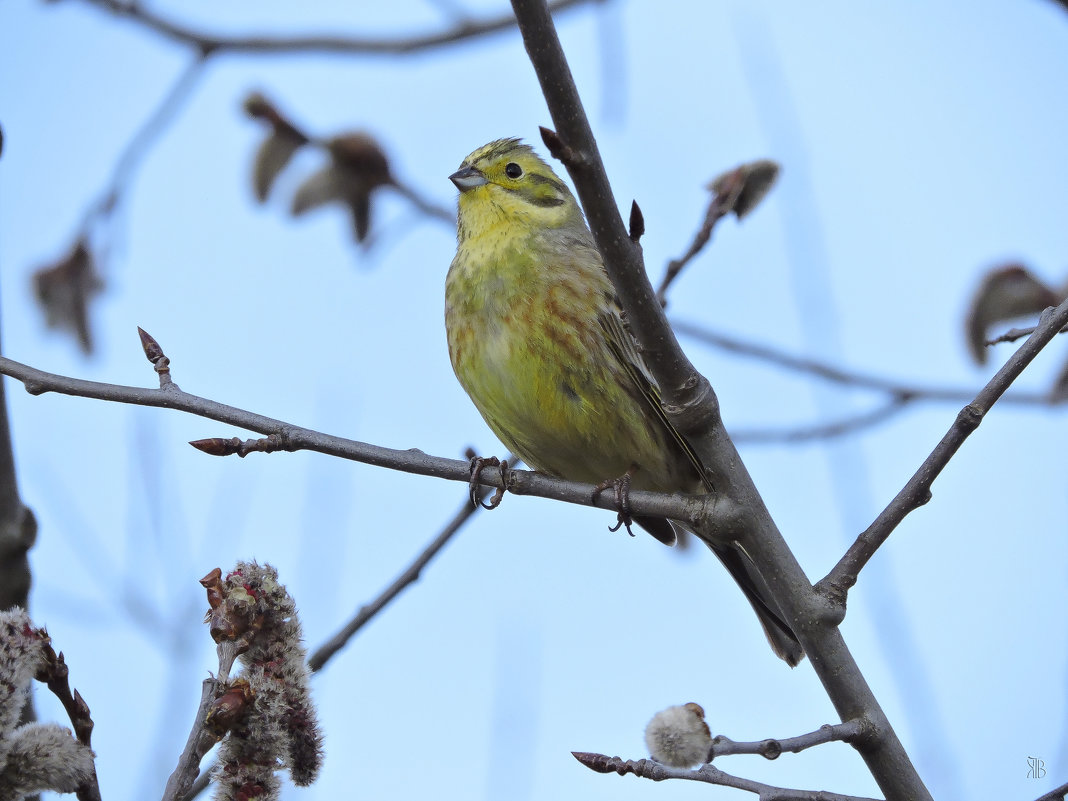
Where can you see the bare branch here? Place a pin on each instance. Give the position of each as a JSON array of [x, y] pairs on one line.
[[820, 431], [411, 574], [293, 438], [738, 191], [851, 378], [772, 748], [200, 741], [1056, 794], [917, 491], [709, 774], [208, 43], [692, 406], [56, 675], [1014, 334], [140, 144]]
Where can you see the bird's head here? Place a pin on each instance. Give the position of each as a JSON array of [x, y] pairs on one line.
[[507, 179]]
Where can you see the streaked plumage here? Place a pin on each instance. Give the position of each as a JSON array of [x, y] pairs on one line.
[[538, 341]]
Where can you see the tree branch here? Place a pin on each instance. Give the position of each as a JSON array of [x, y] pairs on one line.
[[1014, 334], [410, 575], [210, 43], [917, 491], [828, 430], [689, 400], [1056, 794], [772, 748], [294, 438], [709, 774], [850, 378], [140, 143]]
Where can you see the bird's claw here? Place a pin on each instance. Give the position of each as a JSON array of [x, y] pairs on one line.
[[621, 487], [478, 464]]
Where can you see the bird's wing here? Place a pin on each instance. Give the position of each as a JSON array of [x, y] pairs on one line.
[[625, 350]]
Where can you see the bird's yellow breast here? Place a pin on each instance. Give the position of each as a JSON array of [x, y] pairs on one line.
[[531, 355]]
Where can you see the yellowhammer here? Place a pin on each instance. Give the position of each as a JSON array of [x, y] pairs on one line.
[[537, 340]]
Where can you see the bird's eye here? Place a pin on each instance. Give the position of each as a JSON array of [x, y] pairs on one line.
[[512, 170]]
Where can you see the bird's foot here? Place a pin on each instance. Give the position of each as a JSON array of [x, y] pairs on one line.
[[478, 464], [621, 487]]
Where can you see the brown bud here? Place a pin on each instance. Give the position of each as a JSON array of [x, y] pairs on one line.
[[217, 446], [153, 352], [596, 762], [213, 584], [229, 707]]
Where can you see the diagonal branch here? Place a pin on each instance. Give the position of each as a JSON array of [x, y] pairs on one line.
[[917, 491], [411, 574], [141, 143], [689, 400]]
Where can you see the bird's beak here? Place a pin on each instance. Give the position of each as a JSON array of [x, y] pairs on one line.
[[467, 178]]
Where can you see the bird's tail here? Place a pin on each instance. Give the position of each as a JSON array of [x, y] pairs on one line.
[[741, 566]]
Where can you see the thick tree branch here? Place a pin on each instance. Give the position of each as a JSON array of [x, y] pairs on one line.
[[210, 43], [1056, 794], [689, 399], [917, 491]]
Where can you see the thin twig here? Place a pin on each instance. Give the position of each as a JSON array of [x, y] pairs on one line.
[[411, 574], [835, 585], [199, 742], [140, 144], [1014, 334], [840, 375], [209, 43], [318, 659], [772, 748], [822, 431], [737, 190], [709, 774]]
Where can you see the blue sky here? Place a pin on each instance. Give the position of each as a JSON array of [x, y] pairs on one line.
[[919, 147]]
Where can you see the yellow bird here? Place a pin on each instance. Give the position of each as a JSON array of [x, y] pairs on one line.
[[537, 339]]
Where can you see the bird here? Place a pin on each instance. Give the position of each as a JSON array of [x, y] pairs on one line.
[[538, 340]]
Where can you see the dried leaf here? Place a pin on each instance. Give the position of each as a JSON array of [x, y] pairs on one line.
[[1059, 393], [361, 155], [328, 185], [64, 290], [745, 186], [1006, 293], [272, 157]]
